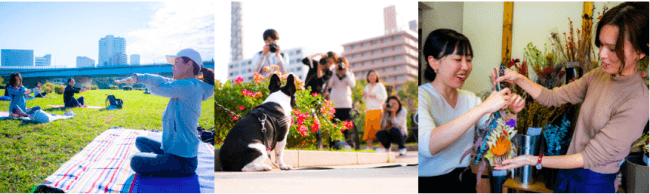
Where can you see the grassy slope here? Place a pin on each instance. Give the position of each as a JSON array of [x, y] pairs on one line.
[[31, 152]]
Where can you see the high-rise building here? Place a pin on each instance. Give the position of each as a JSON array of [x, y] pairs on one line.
[[393, 55], [235, 32], [135, 59], [83, 61], [43, 61], [413, 25], [112, 51], [244, 68], [16, 57]]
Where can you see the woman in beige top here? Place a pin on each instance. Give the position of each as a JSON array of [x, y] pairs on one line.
[[614, 105]]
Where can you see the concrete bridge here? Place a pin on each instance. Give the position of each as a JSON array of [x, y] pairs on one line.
[[32, 75], [165, 69]]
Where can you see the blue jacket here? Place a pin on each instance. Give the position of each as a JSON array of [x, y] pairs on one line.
[[17, 98], [181, 117]]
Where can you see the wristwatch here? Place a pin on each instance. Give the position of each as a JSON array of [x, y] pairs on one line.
[[539, 162]]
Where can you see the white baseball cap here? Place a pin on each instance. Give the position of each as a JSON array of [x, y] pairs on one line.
[[189, 53]]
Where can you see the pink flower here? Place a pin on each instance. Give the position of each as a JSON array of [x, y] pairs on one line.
[[303, 130], [314, 94], [234, 118], [241, 107], [239, 80]]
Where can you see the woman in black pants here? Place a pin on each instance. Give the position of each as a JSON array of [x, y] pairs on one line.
[[393, 124]]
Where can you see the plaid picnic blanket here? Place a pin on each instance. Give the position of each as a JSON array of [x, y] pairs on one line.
[[103, 166]]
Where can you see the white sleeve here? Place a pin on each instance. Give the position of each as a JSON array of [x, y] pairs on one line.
[[426, 123], [481, 122], [257, 61], [282, 62], [351, 80], [400, 120], [381, 97]]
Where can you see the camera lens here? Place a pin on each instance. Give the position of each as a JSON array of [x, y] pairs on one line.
[[273, 47], [341, 66], [389, 105]]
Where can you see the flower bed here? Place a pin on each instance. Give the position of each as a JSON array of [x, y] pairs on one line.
[[234, 100]]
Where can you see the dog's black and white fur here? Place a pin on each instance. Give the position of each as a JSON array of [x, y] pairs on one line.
[[244, 148]]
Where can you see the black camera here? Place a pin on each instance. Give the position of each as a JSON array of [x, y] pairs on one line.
[[389, 105], [502, 68], [341, 66], [273, 47]]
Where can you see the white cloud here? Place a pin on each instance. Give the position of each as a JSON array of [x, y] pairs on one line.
[[174, 26]]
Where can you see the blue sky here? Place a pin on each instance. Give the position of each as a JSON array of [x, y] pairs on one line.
[[70, 29]]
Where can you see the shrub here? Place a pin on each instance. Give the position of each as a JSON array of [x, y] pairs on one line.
[[59, 89], [93, 87], [240, 97], [114, 88], [48, 87]]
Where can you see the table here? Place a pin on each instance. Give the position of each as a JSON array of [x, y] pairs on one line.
[[538, 186]]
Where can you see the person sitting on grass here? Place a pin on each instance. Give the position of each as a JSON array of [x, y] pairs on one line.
[[68, 95], [17, 92], [38, 90], [393, 123], [176, 155]]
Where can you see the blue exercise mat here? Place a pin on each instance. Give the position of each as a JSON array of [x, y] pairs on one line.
[[202, 182]]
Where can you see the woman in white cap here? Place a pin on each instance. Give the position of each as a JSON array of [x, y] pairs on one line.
[[176, 155]]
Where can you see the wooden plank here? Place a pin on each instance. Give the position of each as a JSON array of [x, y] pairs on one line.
[[587, 15], [506, 40]]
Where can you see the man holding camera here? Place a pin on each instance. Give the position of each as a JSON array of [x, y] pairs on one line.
[[319, 72], [270, 54], [341, 91]]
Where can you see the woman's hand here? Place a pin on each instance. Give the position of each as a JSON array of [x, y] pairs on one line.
[[497, 101], [509, 76], [516, 103], [125, 80], [516, 162]]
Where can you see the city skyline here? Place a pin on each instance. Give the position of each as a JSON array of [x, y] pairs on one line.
[[72, 29]]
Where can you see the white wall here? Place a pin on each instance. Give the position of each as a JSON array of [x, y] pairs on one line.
[[533, 21], [441, 15], [482, 24]]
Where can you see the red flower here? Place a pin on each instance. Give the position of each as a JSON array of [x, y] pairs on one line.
[[235, 118], [348, 124], [239, 80], [315, 127], [314, 94], [241, 107]]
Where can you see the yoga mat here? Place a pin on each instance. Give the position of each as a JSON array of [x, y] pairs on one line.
[[202, 182], [103, 166], [63, 106], [54, 117]]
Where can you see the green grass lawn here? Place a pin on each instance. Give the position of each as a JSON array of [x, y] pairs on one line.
[[31, 152]]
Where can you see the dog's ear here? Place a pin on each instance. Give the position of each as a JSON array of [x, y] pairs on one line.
[[291, 85], [275, 83]]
